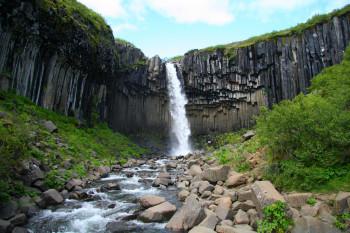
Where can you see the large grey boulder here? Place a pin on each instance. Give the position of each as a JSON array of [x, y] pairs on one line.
[[234, 229], [158, 213], [312, 225], [8, 209], [235, 179], [201, 229], [50, 197], [215, 174], [195, 170], [210, 220], [241, 217], [20, 230], [205, 186], [264, 194], [18, 220], [150, 201], [5, 226], [297, 200], [50, 126], [70, 185], [190, 215], [341, 202]]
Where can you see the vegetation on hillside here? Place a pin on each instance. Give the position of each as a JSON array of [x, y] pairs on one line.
[[308, 138], [23, 136], [230, 49]]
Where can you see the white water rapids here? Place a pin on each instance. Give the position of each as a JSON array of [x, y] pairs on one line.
[[179, 123]]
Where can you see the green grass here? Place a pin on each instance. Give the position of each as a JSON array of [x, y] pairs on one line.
[[68, 15], [308, 138], [230, 50], [22, 136]]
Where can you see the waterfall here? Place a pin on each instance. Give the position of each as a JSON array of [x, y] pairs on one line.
[[179, 122]]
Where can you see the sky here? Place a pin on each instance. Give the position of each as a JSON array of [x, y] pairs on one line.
[[172, 27]]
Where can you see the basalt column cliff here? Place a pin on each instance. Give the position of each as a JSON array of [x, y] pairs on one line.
[[68, 62], [226, 90]]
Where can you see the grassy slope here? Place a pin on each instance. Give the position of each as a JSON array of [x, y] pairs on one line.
[[230, 49], [306, 141], [22, 136]]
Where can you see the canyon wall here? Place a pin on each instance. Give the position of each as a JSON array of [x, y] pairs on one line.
[[225, 92], [67, 63]]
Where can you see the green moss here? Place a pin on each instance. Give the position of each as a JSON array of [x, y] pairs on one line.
[[22, 137], [176, 58], [230, 49]]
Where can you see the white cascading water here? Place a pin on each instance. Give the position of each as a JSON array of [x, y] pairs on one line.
[[179, 125]]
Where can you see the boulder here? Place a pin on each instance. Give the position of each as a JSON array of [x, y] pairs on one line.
[[8, 209], [190, 214], [171, 165], [247, 205], [20, 230], [264, 194], [50, 197], [341, 202], [244, 195], [118, 227], [312, 225], [50, 126], [224, 212], [195, 170], [215, 174], [253, 217], [40, 184], [241, 217], [103, 171], [248, 135], [210, 220], [27, 206], [70, 185], [201, 229], [297, 200], [150, 201], [219, 190], [311, 210], [161, 181], [224, 202], [205, 186], [183, 194], [235, 179], [5, 226], [158, 213], [109, 186], [226, 223], [234, 229], [31, 172], [19, 220]]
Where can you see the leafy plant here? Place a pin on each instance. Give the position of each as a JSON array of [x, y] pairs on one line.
[[311, 201], [275, 219], [342, 221]]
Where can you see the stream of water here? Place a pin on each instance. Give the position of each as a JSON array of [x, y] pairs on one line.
[[93, 216], [180, 126]]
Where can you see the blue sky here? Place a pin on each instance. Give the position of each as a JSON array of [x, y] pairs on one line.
[[172, 27]]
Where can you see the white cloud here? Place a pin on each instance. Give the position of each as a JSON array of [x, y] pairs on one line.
[[107, 8], [266, 8], [124, 27], [214, 12]]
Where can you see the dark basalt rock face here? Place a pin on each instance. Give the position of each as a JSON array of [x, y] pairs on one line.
[[224, 93], [47, 56]]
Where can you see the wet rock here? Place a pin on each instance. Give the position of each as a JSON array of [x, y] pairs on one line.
[[8, 209], [50, 197], [20, 230], [210, 220], [190, 214], [341, 202], [171, 165], [73, 183], [216, 174], [241, 217], [5, 226], [111, 206], [264, 193], [235, 180], [195, 170], [118, 227], [150, 201], [313, 225], [183, 194], [27, 206], [201, 229], [297, 200], [161, 181], [50, 126], [19, 220], [40, 184], [158, 213], [110, 186], [103, 171]]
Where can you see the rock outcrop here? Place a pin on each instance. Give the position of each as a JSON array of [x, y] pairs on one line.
[[225, 91]]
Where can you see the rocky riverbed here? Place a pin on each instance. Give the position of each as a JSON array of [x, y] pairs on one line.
[[184, 194]]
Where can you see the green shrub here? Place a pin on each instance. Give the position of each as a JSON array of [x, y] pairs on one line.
[[342, 221], [311, 201], [275, 219]]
